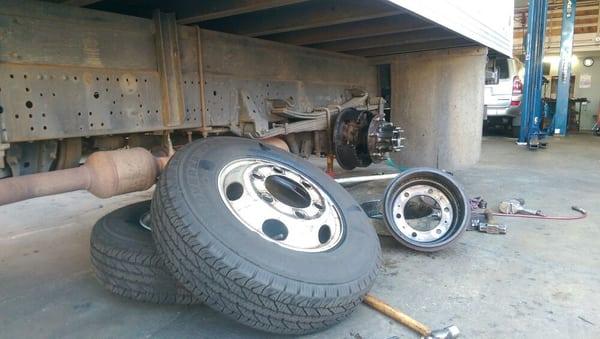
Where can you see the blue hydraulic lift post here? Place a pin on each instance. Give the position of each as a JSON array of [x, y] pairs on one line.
[[564, 67], [531, 107]]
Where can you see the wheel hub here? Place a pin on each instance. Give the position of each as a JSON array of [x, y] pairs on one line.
[[422, 213], [281, 205]]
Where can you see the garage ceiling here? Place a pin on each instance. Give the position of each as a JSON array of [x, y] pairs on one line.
[[364, 28], [587, 29]]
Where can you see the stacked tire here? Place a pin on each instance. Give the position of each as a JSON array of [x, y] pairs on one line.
[[261, 236], [127, 263]]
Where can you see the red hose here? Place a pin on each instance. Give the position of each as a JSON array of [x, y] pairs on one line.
[[582, 215], [540, 216]]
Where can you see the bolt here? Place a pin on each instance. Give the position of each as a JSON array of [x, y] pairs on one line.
[[267, 197]]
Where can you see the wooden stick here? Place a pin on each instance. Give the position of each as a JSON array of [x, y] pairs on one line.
[[400, 317]]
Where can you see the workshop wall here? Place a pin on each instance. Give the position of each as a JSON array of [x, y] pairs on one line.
[[592, 93]]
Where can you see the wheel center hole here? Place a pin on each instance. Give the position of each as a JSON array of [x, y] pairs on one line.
[[423, 213], [288, 191]]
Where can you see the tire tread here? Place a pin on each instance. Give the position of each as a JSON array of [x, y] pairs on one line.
[[237, 288]]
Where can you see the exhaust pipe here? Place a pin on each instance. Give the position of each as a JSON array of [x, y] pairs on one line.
[[104, 174]]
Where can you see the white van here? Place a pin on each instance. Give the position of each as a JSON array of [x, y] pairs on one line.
[[503, 93]]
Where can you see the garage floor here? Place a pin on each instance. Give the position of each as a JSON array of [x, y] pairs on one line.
[[541, 280]]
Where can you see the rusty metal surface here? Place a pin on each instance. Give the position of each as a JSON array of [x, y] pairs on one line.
[[266, 70], [70, 72], [169, 68], [69, 153], [104, 174], [31, 157], [49, 34], [49, 102], [41, 184], [90, 73]]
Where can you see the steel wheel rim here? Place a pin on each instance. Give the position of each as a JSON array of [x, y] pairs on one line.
[[145, 221], [281, 205], [445, 213]]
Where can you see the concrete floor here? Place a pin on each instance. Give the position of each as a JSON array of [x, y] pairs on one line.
[[541, 280]]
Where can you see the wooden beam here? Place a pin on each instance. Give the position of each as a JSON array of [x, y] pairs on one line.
[[432, 34], [413, 47], [353, 30], [79, 3], [578, 13], [302, 16], [189, 12], [578, 30]]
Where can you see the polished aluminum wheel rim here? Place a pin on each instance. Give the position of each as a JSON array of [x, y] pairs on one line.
[[281, 205], [442, 211]]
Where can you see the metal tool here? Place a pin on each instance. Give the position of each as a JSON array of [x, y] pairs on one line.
[[515, 206], [484, 222], [492, 228], [365, 178], [449, 332]]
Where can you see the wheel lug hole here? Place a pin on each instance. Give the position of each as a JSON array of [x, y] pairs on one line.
[[278, 170], [446, 209], [406, 194], [318, 205], [430, 191], [258, 176], [267, 198], [306, 184], [398, 215], [300, 214]]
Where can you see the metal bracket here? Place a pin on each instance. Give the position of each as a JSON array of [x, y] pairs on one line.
[[251, 114], [31, 157], [169, 67]]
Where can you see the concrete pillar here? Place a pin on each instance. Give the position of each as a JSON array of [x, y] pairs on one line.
[[437, 98]]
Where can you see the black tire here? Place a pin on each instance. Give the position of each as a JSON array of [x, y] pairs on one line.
[[438, 180], [126, 262], [237, 272]]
